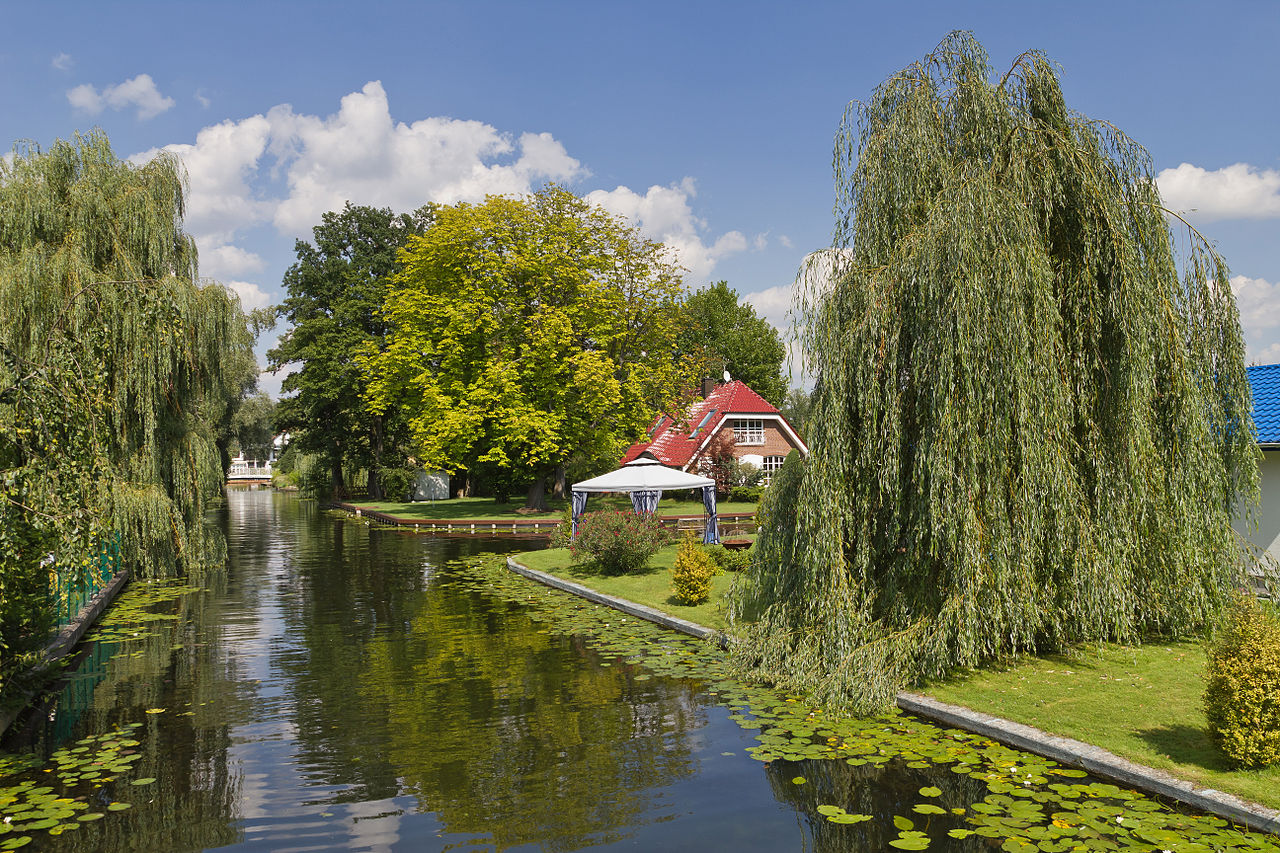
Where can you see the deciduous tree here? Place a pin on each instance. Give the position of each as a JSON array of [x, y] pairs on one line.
[[526, 330], [336, 290], [1031, 422], [730, 336]]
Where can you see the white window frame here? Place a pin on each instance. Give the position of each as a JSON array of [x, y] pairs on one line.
[[748, 431], [770, 465]]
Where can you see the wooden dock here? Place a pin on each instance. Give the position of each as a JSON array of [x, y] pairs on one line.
[[740, 522]]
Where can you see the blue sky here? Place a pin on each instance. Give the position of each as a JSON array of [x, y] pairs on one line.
[[710, 125]]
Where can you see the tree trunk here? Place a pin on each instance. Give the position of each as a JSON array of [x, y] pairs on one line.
[[537, 498], [339, 487], [560, 488], [375, 480]]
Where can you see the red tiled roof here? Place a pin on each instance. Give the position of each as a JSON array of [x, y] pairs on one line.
[[675, 446]]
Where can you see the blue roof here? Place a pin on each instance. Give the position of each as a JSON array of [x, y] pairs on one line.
[[1264, 382]]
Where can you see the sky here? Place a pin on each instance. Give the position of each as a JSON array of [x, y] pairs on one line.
[[709, 125]]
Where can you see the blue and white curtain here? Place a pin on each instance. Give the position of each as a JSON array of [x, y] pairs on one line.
[[713, 524], [645, 500], [579, 504]]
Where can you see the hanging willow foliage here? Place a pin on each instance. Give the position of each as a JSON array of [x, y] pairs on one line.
[[117, 364], [1029, 429]]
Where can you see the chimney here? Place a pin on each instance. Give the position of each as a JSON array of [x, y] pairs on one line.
[[708, 385]]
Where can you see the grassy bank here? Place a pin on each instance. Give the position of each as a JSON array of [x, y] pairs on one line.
[[651, 588], [1140, 703], [487, 509]]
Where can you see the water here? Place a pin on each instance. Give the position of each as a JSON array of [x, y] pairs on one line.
[[354, 688]]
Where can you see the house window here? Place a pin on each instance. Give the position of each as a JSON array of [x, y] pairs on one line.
[[770, 467], [706, 419], [748, 431]]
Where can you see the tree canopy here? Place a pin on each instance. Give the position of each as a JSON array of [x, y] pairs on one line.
[[1031, 421], [117, 368], [336, 290], [527, 330], [729, 335]]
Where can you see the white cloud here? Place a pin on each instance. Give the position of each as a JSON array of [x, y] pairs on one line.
[[202, 99], [251, 295], [785, 241], [1239, 191], [360, 154], [1259, 303], [664, 213], [139, 92], [62, 61], [224, 262]]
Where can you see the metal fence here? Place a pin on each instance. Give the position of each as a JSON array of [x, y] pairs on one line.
[[70, 590]]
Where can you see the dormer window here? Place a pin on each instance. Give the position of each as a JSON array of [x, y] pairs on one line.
[[748, 431], [706, 419]]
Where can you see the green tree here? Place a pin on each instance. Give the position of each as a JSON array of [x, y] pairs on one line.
[[527, 331], [730, 336], [115, 372], [335, 306], [1031, 423], [254, 426]]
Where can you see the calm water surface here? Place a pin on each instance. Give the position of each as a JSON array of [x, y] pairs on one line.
[[354, 688], [344, 688]]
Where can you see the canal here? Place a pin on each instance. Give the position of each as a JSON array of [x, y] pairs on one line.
[[353, 688]]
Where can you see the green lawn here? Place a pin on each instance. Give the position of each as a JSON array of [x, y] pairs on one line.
[[487, 509], [651, 588], [1140, 703]]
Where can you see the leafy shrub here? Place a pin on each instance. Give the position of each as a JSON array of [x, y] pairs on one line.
[[746, 494], [314, 478], [692, 573], [728, 559], [1242, 694], [397, 483], [617, 542], [560, 537]]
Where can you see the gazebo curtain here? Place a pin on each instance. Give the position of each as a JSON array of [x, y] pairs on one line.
[[712, 533], [579, 505], [645, 500]]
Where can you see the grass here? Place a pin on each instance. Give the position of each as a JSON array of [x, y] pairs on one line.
[[1141, 703], [487, 509], [651, 588]]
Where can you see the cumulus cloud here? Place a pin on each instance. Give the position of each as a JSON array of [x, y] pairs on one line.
[[665, 214], [62, 61], [1239, 191], [1259, 303], [224, 262], [361, 154], [137, 92], [251, 295]]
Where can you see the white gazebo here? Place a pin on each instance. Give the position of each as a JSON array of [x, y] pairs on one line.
[[645, 479]]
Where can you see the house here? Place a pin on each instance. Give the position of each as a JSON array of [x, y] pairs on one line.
[[730, 415], [1264, 383]]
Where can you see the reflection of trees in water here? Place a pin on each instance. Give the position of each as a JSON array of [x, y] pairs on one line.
[[457, 698], [882, 792]]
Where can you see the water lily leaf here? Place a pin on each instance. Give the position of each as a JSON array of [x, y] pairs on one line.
[[846, 817], [144, 781], [828, 811], [799, 780], [931, 792], [156, 710], [15, 843], [914, 842], [903, 823], [959, 833], [928, 808], [118, 807], [91, 816]]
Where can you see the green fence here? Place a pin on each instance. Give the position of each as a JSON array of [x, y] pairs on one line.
[[71, 590]]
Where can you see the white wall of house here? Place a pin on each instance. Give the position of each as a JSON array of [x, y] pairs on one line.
[[1267, 514]]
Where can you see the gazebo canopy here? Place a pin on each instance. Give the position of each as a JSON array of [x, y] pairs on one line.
[[643, 474], [645, 479]]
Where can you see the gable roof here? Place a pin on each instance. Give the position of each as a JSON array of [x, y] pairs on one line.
[[1264, 383], [676, 446]]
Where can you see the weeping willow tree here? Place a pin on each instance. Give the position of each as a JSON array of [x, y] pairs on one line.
[[116, 365], [1031, 420]]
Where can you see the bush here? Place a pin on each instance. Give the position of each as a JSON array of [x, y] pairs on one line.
[[692, 573], [746, 494], [617, 542], [729, 560], [560, 537], [1242, 694], [397, 483]]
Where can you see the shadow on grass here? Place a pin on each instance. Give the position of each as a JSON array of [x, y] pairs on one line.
[[1186, 745], [593, 570]]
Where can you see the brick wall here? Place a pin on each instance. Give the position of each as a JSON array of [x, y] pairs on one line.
[[776, 442]]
